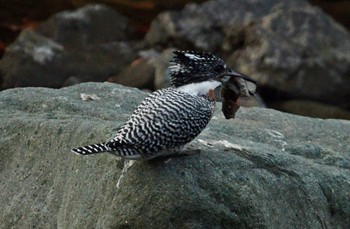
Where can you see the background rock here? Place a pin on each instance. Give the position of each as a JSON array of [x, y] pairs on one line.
[[85, 26], [312, 109], [305, 57], [77, 44], [149, 71], [294, 50], [308, 57], [162, 73], [140, 74], [339, 10], [204, 26], [264, 169]]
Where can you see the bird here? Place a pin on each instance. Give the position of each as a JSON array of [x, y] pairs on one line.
[[169, 118]]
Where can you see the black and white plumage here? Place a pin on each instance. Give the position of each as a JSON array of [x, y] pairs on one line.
[[170, 118]]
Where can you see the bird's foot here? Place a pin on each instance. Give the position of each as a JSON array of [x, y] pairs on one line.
[[188, 150]]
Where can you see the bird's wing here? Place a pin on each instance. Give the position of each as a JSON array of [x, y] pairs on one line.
[[165, 119]]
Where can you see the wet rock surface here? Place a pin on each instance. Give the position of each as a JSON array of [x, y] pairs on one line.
[[263, 169]]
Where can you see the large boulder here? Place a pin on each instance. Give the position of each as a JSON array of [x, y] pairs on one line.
[[264, 169], [205, 26], [88, 44], [292, 48]]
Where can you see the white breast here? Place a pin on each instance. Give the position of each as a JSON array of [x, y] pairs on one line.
[[201, 88]]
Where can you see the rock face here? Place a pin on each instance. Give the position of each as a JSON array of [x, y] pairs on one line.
[[292, 48], [313, 109], [70, 47], [264, 169]]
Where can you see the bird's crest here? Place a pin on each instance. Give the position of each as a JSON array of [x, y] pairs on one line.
[[192, 67]]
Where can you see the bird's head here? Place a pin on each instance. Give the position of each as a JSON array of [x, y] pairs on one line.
[[191, 67]]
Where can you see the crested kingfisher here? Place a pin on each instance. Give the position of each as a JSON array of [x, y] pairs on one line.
[[170, 118]]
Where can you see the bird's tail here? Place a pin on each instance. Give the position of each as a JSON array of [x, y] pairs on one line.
[[91, 149]]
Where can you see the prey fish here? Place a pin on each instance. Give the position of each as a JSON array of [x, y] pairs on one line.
[[235, 87]]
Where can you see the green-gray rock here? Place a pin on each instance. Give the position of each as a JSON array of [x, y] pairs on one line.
[[264, 169]]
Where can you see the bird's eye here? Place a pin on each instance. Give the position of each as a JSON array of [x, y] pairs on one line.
[[219, 68]]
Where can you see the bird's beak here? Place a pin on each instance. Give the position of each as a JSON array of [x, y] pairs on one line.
[[245, 86], [232, 73]]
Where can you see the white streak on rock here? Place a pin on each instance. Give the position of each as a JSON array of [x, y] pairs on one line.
[[127, 165], [278, 138]]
